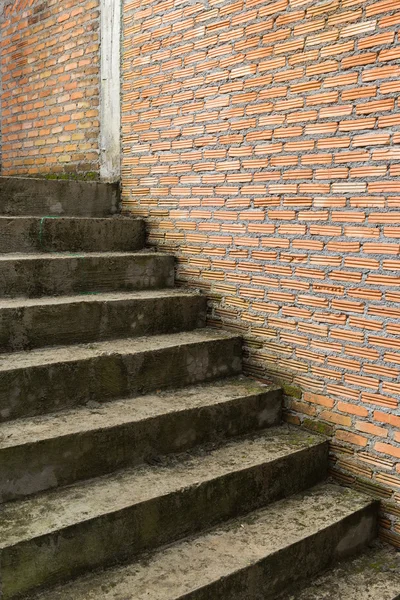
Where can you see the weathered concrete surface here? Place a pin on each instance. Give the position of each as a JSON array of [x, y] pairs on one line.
[[68, 234], [253, 557], [31, 197], [34, 323], [35, 275], [375, 575], [43, 381], [54, 450], [57, 535]]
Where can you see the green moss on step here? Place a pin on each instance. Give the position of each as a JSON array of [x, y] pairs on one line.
[[89, 176], [291, 390], [318, 427]]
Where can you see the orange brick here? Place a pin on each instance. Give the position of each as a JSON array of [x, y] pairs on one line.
[[351, 438], [387, 449], [318, 399], [279, 182], [352, 409], [336, 418], [371, 429]]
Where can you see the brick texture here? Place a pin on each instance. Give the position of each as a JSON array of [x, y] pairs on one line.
[[261, 143], [50, 87]]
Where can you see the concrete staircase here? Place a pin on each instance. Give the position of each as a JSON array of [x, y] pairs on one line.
[[129, 440]]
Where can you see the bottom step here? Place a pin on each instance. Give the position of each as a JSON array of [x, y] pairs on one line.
[[252, 558], [375, 575]]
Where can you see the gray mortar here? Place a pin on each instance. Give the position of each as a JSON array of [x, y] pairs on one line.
[[257, 362]]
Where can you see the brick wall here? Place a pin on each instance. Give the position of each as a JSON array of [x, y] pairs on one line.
[[50, 96], [260, 141]]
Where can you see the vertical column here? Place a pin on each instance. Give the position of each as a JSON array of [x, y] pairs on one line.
[[110, 111]]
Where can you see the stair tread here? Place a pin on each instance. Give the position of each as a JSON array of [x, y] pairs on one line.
[[374, 575], [75, 352], [64, 507], [69, 255], [127, 410], [71, 218], [194, 563], [21, 302]]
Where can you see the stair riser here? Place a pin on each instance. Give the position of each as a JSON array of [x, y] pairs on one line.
[[294, 564], [91, 321], [123, 534], [72, 275], [55, 234], [38, 390], [29, 196], [31, 468]]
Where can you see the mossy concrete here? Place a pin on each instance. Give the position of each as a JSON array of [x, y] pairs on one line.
[[56, 536], [55, 450], [374, 575], [100, 464], [33, 323], [32, 196], [253, 557], [35, 275], [62, 234], [48, 380]]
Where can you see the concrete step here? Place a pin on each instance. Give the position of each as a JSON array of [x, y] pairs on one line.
[[55, 450], [51, 379], [43, 197], [35, 275], [250, 558], [48, 321], [374, 575], [57, 535], [67, 234]]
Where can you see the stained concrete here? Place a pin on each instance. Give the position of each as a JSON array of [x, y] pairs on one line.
[[31, 196], [374, 575], [54, 450], [83, 419], [34, 323], [251, 557], [50, 379], [68, 234], [131, 511], [35, 275]]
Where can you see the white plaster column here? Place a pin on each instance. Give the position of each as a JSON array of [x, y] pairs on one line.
[[110, 91]]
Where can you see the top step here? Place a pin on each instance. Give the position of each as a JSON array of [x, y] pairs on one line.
[[26, 196]]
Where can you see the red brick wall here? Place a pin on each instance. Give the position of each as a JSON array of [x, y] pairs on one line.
[[261, 142], [50, 80]]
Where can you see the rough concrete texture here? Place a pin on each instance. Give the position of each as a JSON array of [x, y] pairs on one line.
[[31, 197], [375, 575], [35, 275], [117, 516], [68, 234], [251, 557], [34, 323], [94, 472], [49, 451], [51, 379]]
